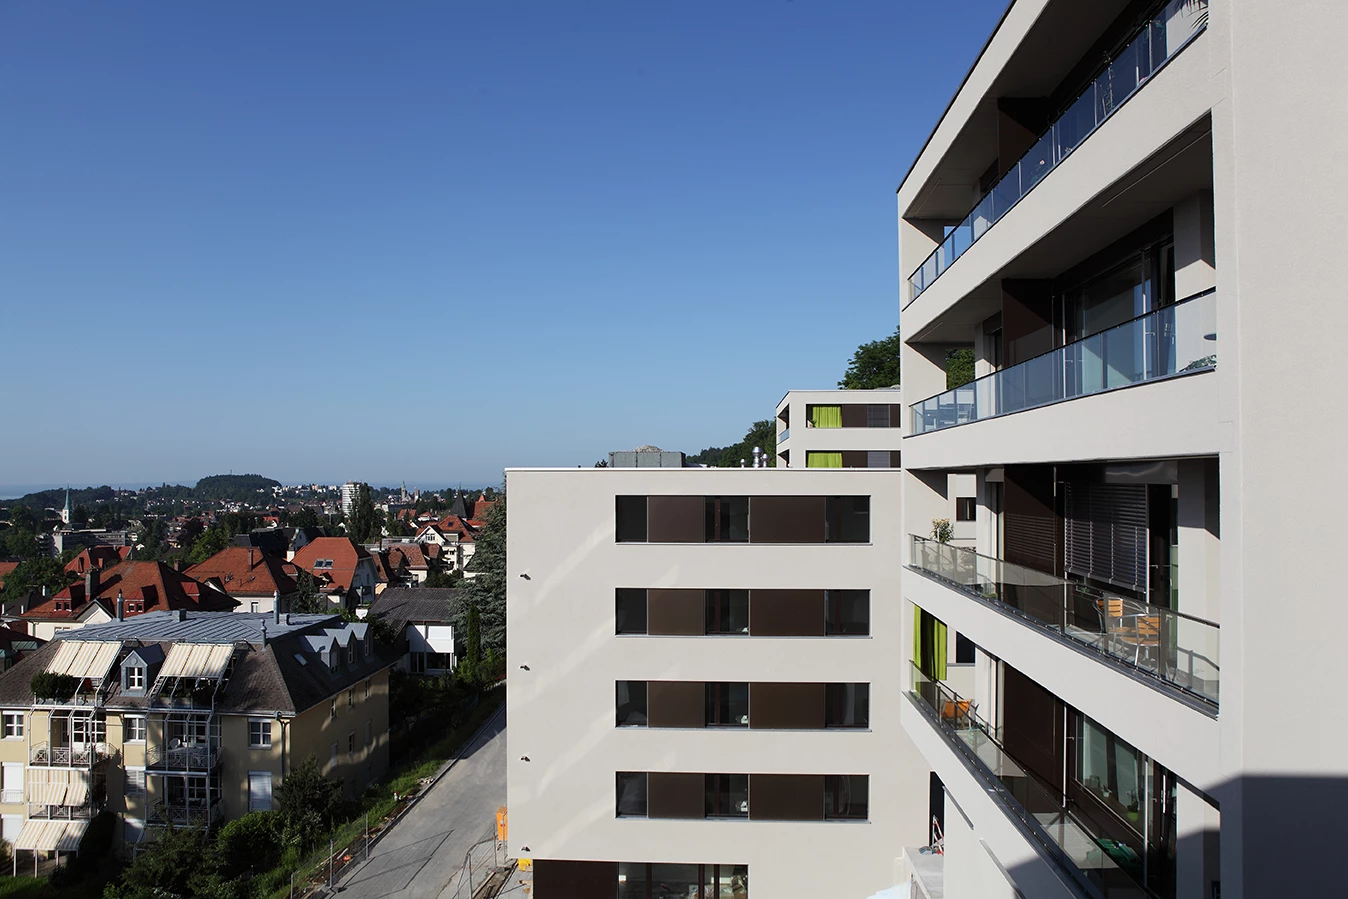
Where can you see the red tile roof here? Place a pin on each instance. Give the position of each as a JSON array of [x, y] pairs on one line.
[[6, 568], [482, 507], [345, 556], [457, 525], [248, 571], [99, 557], [146, 587]]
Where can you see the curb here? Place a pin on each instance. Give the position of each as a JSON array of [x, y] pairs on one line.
[[323, 891]]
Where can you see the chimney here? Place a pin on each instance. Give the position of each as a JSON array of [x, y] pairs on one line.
[[90, 584], [121, 607], [276, 606], [250, 557], [182, 614]]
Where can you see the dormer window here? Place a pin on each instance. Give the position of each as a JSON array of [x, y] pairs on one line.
[[135, 677], [351, 653]]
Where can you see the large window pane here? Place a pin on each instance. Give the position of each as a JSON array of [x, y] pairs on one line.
[[631, 794], [727, 519], [847, 705], [877, 416], [632, 880], [674, 881], [727, 796], [631, 611], [849, 519], [728, 612], [848, 612], [631, 519], [631, 705], [727, 705], [846, 796]]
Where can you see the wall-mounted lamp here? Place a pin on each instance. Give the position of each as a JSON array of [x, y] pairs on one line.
[[525, 576], [524, 849], [524, 758], [524, 667]]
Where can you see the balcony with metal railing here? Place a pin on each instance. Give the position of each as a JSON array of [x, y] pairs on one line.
[[1173, 650], [189, 813], [79, 755], [183, 757]]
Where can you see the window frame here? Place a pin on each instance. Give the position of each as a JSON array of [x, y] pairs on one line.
[[263, 740], [966, 508], [17, 722], [128, 726]]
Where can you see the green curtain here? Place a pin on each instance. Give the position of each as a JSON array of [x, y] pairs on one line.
[[939, 641], [917, 639], [930, 639], [823, 460], [826, 416]]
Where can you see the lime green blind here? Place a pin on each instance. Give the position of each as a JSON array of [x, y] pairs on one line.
[[826, 416], [929, 644], [823, 460]]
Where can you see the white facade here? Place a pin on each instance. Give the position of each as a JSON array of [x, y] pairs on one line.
[[866, 436], [1137, 443], [567, 659]]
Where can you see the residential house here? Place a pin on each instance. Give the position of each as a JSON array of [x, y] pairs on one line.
[[423, 617], [255, 578], [345, 572], [98, 557]]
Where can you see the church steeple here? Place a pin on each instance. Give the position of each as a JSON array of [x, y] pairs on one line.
[[65, 513]]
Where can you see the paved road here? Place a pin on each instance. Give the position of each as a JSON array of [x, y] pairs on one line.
[[421, 857]]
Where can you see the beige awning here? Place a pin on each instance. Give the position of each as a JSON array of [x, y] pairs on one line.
[[74, 832], [205, 660], [77, 794], [41, 836], [84, 658]]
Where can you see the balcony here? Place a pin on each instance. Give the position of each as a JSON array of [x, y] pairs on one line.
[[78, 756], [1180, 339], [196, 813], [191, 757], [1155, 44], [1172, 649], [1100, 866]]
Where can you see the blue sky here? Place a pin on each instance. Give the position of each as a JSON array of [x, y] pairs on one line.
[[428, 241]]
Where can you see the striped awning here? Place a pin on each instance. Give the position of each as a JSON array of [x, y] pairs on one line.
[[204, 660], [50, 836], [58, 786], [74, 832], [84, 658]]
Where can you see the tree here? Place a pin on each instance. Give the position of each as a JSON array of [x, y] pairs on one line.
[[874, 365], [19, 542], [307, 598], [763, 435], [176, 863], [959, 368], [469, 667], [486, 590], [34, 574], [22, 517], [309, 803], [208, 544], [363, 524], [305, 518], [79, 515], [251, 843], [190, 531], [440, 578]]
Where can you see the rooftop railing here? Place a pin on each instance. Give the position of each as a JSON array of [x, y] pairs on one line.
[[1178, 649], [1155, 44], [1105, 866], [1178, 339]]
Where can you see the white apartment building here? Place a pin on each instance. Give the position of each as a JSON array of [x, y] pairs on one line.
[[704, 688], [1131, 212], [839, 429]]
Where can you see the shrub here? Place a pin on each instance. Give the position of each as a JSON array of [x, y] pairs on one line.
[[50, 685], [251, 843]]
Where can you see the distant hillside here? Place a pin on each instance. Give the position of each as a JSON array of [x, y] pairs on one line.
[[56, 499], [232, 486]]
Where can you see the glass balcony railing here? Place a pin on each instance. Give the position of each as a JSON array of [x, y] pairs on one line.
[[1107, 867], [1178, 649], [1158, 41], [1178, 339], [784, 436]]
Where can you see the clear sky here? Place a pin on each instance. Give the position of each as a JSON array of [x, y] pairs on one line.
[[427, 241]]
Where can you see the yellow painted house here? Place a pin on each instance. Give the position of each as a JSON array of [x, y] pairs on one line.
[[184, 718]]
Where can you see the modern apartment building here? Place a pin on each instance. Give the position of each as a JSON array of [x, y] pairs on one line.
[[839, 429], [1123, 211], [704, 685], [184, 718]]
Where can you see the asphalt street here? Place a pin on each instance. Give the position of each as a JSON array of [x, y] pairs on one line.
[[421, 857]]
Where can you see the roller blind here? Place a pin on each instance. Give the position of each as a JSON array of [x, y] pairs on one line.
[[1107, 533]]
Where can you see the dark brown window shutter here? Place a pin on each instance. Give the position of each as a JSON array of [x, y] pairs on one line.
[[574, 880], [854, 459], [786, 613], [786, 797], [676, 703], [676, 519], [676, 612], [895, 459], [786, 519], [676, 795], [895, 418], [786, 706], [853, 415]]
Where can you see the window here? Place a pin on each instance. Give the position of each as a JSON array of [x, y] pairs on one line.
[[879, 459], [966, 508], [351, 698], [965, 651], [369, 734], [133, 730], [847, 613], [259, 733], [846, 797], [369, 681], [639, 880], [13, 725], [848, 519], [727, 519], [351, 744], [823, 416], [332, 712], [322, 563], [252, 607], [630, 526], [727, 796], [259, 791], [631, 611], [632, 703], [135, 781], [847, 705], [332, 757], [631, 794], [135, 677], [727, 705], [351, 653], [728, 612], [877, 416]]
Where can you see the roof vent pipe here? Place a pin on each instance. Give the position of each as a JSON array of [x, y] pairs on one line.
[[121, 607], [276, 606], [90, 584]]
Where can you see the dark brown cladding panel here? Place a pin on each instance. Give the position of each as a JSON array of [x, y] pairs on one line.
[[556, 879], [895, 459], [786, 706], [786, 797], [786, 613], [854, 458], [895, 417], [786, 519], [676, 703], [853, 415], [671, 795], [676, 613], [676, 519]]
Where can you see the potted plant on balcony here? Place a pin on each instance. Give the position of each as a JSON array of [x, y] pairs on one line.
[[54, 687]]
